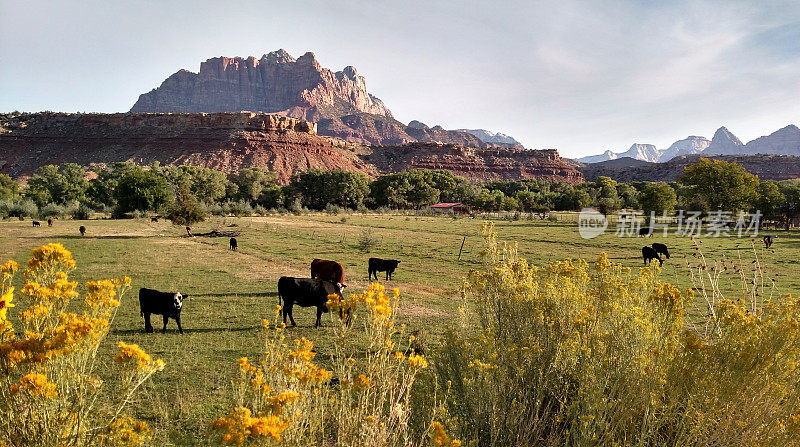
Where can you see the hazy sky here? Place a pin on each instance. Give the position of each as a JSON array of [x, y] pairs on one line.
[[578, 76]]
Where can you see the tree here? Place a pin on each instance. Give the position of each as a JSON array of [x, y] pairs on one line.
[[251, 182], [572, 198], [8, 187], [657, 197], [790, 209], [58, 184], [770, 200], [319, 188], [509, 204], [208, 185], [101, 190], [720, 184], [142, 190], [186, 210]]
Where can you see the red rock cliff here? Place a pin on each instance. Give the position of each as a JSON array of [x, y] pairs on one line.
[[223, 141]]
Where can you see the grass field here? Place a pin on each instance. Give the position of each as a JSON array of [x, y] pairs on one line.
[[231, 292]]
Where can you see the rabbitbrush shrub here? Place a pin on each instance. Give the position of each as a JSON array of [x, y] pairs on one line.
[[364, 400], [49, 392], [573, 353]]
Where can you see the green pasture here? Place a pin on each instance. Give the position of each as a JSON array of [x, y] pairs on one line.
[[231, 292]]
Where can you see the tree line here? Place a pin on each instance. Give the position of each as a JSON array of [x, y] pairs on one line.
[[188, 193]]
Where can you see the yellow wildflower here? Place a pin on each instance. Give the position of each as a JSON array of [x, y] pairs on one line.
[[440, 438], [125, 431], [35, 384], [417, 361], [135, 354], [5, 302]]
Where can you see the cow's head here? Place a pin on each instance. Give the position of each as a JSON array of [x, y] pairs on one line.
[[177, 300]]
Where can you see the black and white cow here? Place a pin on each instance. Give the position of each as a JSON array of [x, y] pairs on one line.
[[166, 304], [305, 292], [382, 265]]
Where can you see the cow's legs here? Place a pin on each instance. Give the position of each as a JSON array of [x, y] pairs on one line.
[[288, 312], [166, 319], [387, 275], [147, 326], [319, 316], [178, 320]]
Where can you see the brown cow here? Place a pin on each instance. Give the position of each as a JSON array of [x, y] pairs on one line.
[[327, 270]]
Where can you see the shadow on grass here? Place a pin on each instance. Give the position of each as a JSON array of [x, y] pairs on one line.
[[173, 330], [219, 295]]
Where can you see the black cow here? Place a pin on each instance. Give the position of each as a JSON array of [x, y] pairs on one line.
[[661, 249], [768, 241], [646, 231], [82, 229], [36, 223], [649, 253], [167, 304], [382, 265], [154, 219], [234, 244], [305, 292]]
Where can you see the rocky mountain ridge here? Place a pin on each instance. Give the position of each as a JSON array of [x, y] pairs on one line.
[[232, 141], [785, 141], [765, 166], [300, 88]]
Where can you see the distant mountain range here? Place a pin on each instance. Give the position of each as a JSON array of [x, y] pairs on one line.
[[765, 166], [785, 141], [300, 88]]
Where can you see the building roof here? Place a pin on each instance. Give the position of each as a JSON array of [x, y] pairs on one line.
[[447, 205]]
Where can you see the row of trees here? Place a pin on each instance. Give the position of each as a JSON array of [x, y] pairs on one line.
[[124, 188]]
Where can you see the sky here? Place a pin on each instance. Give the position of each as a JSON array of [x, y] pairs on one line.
[[582, 77]]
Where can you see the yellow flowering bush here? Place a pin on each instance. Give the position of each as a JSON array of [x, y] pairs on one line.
[[48, 392], [599, 354], [363, 401]]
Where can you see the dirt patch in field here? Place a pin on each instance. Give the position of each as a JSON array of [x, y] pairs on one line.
[[416, 310]]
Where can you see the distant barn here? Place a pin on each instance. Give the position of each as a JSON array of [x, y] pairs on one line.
[[450, 208]]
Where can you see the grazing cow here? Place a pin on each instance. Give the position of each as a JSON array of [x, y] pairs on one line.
[[768, 241], [36, 223], [50, 222], [646, 231], [154, 219], [234, 244], [328, 270], [382, 265], [167, 304], [82, 229], [305, 292], [649, 253], [661, 249]]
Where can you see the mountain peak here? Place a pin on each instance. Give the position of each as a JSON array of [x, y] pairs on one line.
[[724, 142], [278, 57]]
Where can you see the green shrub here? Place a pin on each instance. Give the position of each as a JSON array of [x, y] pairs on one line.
[[82, 212], [240, 208], [367, 240], [52, 210]]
